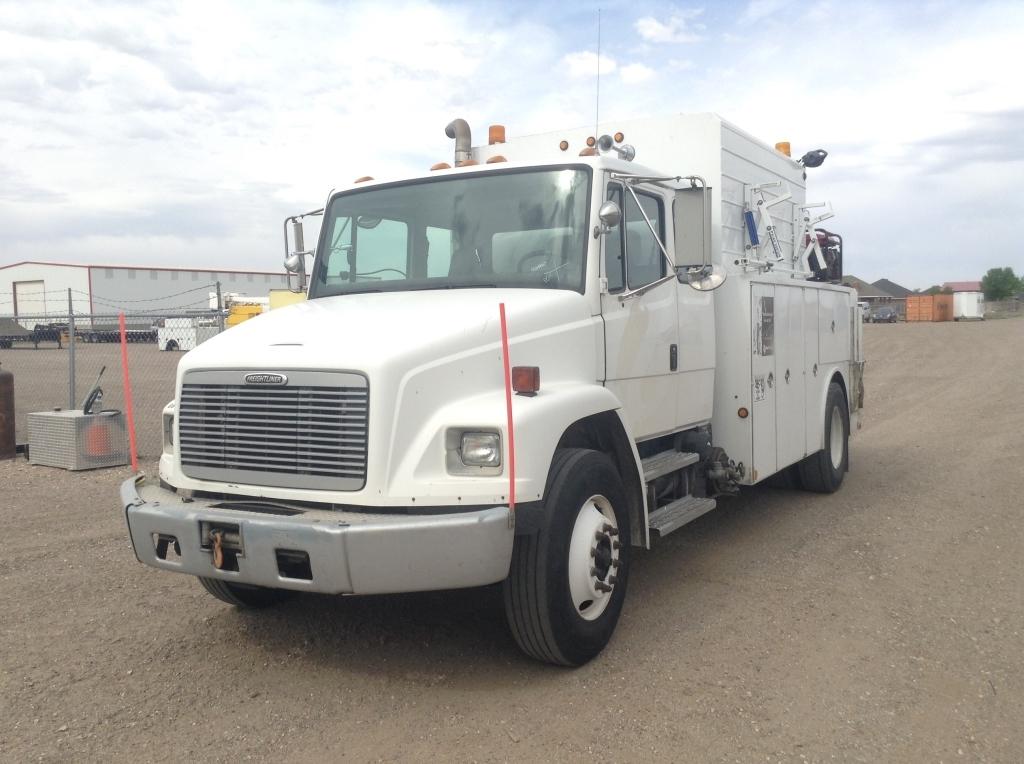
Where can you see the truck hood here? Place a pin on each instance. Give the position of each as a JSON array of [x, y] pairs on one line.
[[366, 332]]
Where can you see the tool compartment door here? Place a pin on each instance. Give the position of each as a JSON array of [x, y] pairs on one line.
[[763, 381], [833, 326], [790, 383]]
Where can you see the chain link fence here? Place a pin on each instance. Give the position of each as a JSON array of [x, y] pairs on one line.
[[57, 359]]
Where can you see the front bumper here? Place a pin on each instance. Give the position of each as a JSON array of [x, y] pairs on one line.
[[348, 552]]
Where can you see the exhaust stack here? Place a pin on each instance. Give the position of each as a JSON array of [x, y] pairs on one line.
[[459, 130]]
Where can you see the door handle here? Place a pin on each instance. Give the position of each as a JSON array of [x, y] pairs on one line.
[[771, 379], [787, 376], [673, 357]]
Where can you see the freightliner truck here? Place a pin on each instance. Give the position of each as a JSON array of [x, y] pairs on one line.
[[675, 330]]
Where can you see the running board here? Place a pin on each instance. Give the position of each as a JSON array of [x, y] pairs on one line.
[[667, 462], [673, 516]]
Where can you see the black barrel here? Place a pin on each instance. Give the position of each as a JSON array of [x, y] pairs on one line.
[[7, 443]]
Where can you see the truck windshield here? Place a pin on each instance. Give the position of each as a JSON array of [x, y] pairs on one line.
[[511, 228]]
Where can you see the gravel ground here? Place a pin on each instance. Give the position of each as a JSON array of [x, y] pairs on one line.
[[880, 623]]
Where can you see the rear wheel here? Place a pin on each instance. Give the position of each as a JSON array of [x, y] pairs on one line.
[[244, 595], [823, 472], [567, 582], [171, 345]]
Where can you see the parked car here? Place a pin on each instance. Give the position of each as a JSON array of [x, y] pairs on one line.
[[885, 316]]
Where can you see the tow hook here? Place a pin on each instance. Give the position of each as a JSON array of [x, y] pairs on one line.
[[218, 549]]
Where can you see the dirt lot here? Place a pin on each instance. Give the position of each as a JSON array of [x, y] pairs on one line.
[[885, 622]]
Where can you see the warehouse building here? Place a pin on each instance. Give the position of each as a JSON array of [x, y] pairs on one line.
[[39, 289]]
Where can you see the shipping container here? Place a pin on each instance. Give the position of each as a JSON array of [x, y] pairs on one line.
[[943, 307], [968, 305], [920, 307]]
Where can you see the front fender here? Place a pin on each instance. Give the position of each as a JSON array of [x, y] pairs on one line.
[[539, 423]]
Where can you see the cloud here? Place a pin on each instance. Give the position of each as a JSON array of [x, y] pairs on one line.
[[680, 27], [632, 74], [584, 64], [760, 9]]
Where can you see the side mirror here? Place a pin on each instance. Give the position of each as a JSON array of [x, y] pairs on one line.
[[610, 216]]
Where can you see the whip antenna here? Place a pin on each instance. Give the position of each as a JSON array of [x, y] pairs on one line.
[[597, 99]]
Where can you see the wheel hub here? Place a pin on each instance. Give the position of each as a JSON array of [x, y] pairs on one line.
[[594, 557]]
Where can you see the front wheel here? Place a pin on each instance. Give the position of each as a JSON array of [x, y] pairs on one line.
[[245, 595], [823, 472], [567, 582]]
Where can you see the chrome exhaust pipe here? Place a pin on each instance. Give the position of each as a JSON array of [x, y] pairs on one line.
[[459, 130]]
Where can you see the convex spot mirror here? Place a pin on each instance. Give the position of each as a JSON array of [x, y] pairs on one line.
[[610, 216], [704, 278], [367, 221]]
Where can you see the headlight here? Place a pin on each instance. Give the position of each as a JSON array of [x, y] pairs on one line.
[[481, 449], [168, 422]]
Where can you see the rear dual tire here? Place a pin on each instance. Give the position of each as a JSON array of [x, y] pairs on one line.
[[823, 472]]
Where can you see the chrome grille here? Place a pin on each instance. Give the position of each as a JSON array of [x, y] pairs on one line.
[[310, 433]]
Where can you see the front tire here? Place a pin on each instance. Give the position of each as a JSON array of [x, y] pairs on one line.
[[823, 472], [567, 582], [244, 595]]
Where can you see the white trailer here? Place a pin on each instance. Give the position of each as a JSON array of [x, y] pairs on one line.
[[968, 306], [674, 334], [184, 333]]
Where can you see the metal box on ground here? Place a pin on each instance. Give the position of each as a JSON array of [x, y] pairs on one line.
[[74, 440]]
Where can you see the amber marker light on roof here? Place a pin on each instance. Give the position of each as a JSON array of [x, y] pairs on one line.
[[496, 134], [564, 145], [619, 137], [496, 159], [440, 166], [363, 179], [591, 141], [526, 379]]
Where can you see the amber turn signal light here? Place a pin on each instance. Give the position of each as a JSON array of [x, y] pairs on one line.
[[526, 379]]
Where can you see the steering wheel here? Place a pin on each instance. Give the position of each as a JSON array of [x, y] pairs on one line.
[[542, 258]]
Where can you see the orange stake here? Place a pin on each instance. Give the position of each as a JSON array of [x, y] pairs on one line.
[[508, 413], [129, 409]]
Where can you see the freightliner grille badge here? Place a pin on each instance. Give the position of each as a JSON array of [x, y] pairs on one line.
[[266, 379]]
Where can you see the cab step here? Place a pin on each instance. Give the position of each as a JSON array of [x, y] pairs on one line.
[[666, 463], [673, 516]]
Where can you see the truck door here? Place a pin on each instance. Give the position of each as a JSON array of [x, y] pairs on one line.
[[641, 333], [763, 379]]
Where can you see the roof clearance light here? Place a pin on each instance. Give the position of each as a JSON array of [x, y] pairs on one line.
[[440, 166], [591, 141], [363, 179], [526, 379], [564, 145], [783, 148], [496, 158], [619, 137], [496, 134]]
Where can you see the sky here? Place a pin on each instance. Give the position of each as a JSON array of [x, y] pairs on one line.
[[183, 133]]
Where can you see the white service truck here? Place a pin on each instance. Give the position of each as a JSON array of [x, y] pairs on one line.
[[675, 331], [185, 333]]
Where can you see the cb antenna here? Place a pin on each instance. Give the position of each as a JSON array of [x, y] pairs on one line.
[[597, 99]]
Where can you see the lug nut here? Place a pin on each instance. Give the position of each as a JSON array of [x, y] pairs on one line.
[[601, 586]]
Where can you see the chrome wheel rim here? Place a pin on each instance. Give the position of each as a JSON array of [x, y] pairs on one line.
[[594, 558]]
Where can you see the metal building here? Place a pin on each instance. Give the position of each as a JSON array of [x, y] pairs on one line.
[[41, 289]]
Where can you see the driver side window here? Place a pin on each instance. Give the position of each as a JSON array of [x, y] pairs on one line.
[[632, 255]]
